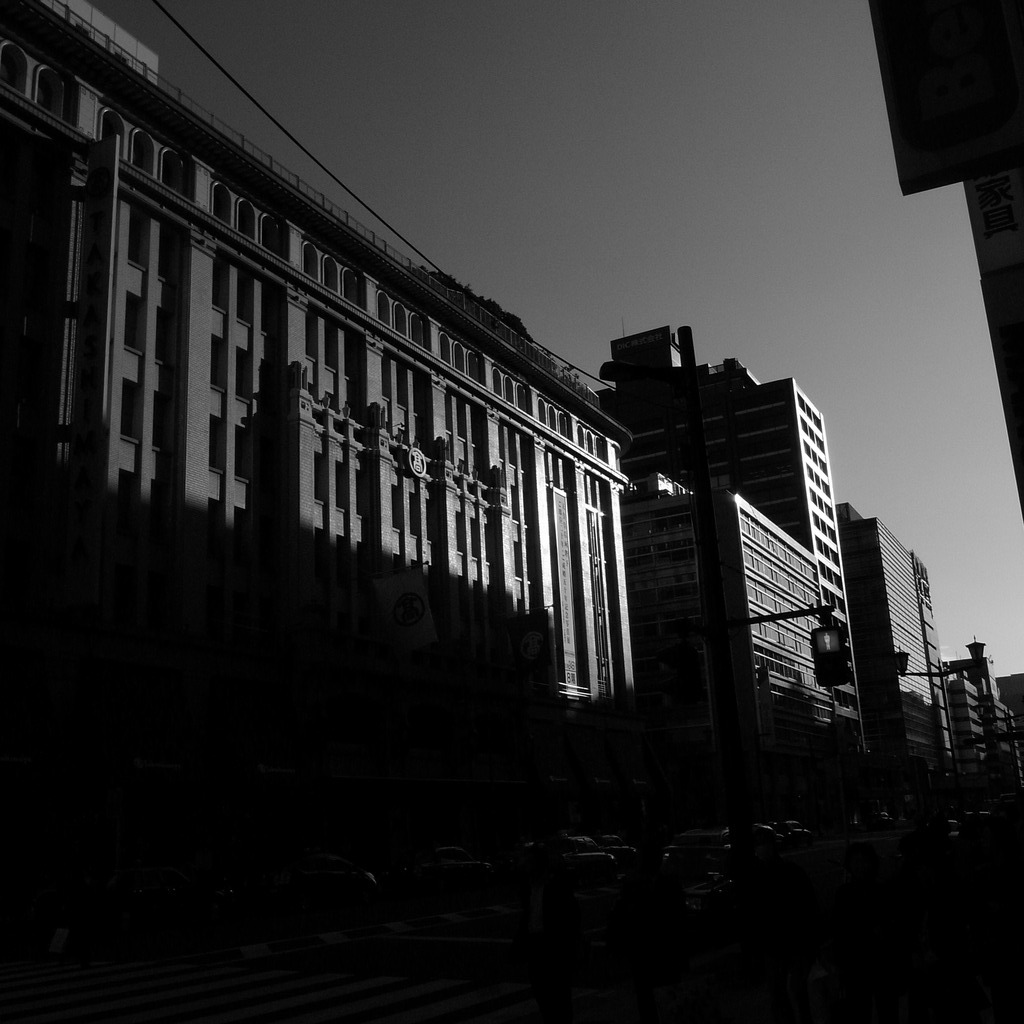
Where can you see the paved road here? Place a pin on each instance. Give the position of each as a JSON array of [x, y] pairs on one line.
[[443, 960]]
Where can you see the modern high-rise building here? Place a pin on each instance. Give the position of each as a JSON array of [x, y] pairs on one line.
[[766, 442], [790, 726], [905, 717], [277, 495]]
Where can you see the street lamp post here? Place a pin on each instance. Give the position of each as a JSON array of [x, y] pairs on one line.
[[976, 649], [685, 386]]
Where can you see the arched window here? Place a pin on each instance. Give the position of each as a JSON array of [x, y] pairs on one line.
[[496, 381], [13, 67], [552, 418], [270, 233], [400, 318], [542, 407], [111, 124], [581, 438], [49, 91], [416, 328], [142, 151], [510, 389], [522, 399], [458, 357], [310, 261], [331, 273], [221, 202], [350, 285], [472, 364], [563, 425], [172, 171], [445, 348], [246, 218], [383, 308]]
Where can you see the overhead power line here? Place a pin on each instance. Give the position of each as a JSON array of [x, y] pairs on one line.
[[266, 113], [277, 124]]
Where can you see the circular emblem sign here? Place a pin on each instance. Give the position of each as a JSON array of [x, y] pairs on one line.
[[409, 609], [531, 644], [417, 462]]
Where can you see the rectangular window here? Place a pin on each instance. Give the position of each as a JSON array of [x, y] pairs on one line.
[[162, 434], [218, 363], [243, 461], [129, 412], [243, 373], [132, 321], [135, 236], [217, 438], [164, 340], [220, 284], [167, 254]]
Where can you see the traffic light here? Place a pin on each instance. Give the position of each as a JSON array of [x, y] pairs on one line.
[[833, 664]]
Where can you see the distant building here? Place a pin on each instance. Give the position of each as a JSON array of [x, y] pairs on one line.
[[247, 447], [766, 443], [904, 717], [786, 718], [1011, 691]]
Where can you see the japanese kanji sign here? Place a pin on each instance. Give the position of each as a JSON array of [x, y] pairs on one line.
[[995, 203]]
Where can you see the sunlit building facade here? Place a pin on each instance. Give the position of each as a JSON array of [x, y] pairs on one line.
[[788, 722], [228, 411]]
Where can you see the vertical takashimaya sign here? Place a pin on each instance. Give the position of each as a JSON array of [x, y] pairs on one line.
[[563, 554], [90, 419]]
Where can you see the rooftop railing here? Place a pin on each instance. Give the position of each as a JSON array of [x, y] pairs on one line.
[[530, 350]]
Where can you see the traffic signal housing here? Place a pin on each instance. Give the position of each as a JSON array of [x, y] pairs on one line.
[[833, 663]]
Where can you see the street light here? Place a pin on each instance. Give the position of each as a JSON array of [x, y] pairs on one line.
[[976, 649], [683, 382]]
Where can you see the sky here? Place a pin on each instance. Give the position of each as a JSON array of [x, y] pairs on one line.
[[601, 167]]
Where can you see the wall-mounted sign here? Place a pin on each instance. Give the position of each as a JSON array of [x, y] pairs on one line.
[[91, 409], [417, 462]]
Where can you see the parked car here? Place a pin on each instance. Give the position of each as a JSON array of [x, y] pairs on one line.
[[584, 860], [323, 881], [792, 834], [711, 907], [438, 868], [452, 867], [624, 854]]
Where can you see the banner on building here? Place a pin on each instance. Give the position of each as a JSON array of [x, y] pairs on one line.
[[91, 387], [531, 640], [566, 611], [402, 599]]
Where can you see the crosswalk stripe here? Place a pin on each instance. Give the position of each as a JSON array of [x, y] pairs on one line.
[[467, 1000], [148, 992], [137, 997], [84, 981], [375, 1003]]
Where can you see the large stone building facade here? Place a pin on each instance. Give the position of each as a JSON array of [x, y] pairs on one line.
[[228, 411]]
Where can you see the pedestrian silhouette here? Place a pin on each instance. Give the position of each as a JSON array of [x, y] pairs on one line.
[[935, 929], [549, 935], [647, 929], [784, 929], [994, 878], [868, 959]]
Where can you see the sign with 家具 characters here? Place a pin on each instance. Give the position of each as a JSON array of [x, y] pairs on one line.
[[995, 203]]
